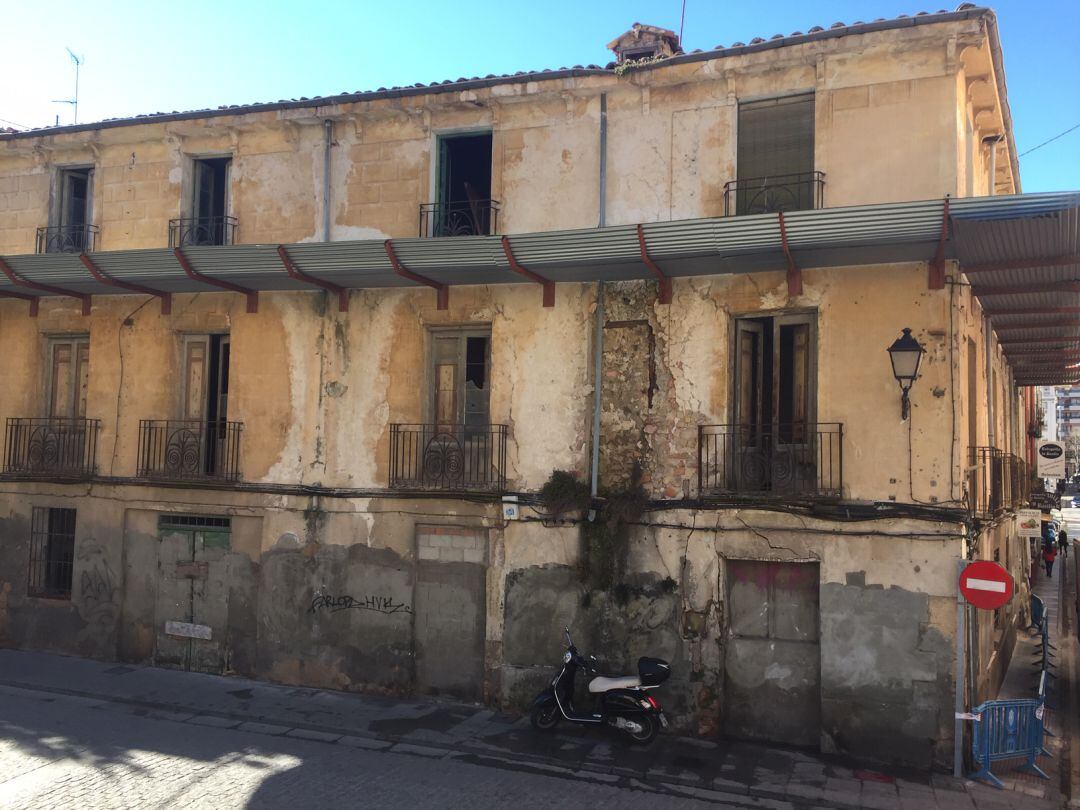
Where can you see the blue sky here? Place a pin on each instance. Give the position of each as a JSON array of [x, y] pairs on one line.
[[145, 57]]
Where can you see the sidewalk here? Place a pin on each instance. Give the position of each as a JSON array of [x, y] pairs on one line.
[[1022, 680], [735, 772]]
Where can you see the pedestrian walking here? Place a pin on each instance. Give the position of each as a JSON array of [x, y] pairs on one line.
[[1063, 543], [1049, 554]]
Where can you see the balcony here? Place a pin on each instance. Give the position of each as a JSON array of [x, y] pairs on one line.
[[189, 450], [998, 482], [51, 447], [781, 192], [449, 458], [778, 461], [192, 231], [67, 239], [463, 218]]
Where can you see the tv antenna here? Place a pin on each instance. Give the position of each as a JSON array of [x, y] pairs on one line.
[[74, 102]]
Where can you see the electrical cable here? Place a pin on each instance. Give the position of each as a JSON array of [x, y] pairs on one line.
[[1051, 140]]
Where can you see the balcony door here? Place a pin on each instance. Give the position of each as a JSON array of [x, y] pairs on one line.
[[463, 195], [774, 400], [209, 202], [69, 377], [460, 380], [775, 160], [206, 397]]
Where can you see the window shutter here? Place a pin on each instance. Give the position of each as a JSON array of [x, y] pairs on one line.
[[776, 137]]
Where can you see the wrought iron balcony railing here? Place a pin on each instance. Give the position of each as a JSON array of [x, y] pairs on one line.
[[801, 460], [781, 192], [997, 482], [189, 450], [52, 446], [453, 458], [462, 218], [67, 239], [192, 231]]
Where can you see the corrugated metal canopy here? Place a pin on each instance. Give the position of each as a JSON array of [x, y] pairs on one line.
[[1021, 244]]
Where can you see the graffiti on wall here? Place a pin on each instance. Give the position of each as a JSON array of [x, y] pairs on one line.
[[99, 589], [335, 604]]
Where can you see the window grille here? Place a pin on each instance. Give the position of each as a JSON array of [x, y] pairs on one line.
[[193, 522], [52, 552]]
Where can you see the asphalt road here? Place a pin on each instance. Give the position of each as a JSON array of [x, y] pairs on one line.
[[58, 751]]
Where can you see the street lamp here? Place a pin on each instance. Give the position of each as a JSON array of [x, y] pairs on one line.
[[906, 355]]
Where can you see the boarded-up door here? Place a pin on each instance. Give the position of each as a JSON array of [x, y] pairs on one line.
[[192, 600], [772, 665], [449, 611]]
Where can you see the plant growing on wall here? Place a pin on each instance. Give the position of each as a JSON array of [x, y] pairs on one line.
[[605, 540], [564, 493]]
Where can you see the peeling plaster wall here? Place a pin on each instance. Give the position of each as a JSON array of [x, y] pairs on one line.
[[887, 619]]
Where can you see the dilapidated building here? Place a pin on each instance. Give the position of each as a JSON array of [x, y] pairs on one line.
[[288, 386]]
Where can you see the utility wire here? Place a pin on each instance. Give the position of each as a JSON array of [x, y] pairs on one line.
[[21, 126], [1044, 143]]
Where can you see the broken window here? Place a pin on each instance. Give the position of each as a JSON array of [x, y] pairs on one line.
[[460, 379], [775, 168], [52, 552], [68, 377], [463, 204], [210, 223]]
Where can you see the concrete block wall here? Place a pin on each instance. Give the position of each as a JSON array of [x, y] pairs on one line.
[[451, 544]]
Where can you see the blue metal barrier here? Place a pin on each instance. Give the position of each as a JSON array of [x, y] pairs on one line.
[[1007, 729]]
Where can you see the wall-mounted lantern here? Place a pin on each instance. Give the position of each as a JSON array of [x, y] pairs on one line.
[[906, 355]]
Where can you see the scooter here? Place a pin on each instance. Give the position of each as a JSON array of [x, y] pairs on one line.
[[622, 703]]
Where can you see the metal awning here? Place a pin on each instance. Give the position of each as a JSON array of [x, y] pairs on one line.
[[1021, 254]]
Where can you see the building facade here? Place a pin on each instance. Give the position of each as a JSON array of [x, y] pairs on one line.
[[278, 411]]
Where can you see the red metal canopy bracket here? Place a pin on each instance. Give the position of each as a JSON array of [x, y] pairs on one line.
[[661, 276], [298, 274], [1023, 264], [5, 268], [33, 299], [937, 264], [794, 274], [195, 275], [166, 298], [549, 286], [443, 292]]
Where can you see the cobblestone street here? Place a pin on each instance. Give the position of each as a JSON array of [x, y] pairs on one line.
[[61, 751]]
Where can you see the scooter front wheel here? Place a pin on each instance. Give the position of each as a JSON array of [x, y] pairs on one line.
[[545, 716]]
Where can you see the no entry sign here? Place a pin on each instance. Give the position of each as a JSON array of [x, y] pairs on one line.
[[986, 584]]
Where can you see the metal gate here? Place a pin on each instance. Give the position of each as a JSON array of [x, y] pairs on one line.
[[192, 599]]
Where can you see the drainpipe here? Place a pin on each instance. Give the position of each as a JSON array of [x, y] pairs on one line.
[[598, 337], [328, 138]]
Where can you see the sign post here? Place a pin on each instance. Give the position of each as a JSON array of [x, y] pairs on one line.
[[958, 723], [984, 585]]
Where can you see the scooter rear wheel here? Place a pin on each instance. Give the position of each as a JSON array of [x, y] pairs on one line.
[[545, 716], [649, 729]]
